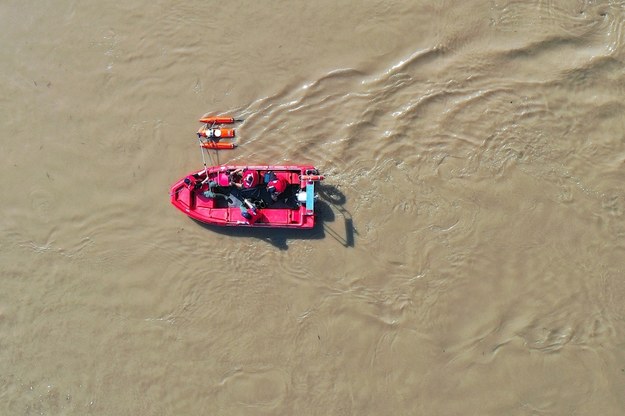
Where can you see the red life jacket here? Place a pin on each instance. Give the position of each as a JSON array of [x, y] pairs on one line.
[[249, 212], [190, 182], [250, 178], [223, 179], [277, 185]]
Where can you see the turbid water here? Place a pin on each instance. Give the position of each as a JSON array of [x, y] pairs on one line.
[[470, 253]]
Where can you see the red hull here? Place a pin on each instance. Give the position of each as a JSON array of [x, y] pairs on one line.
[[221, 204]]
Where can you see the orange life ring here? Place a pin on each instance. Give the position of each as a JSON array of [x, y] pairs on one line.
[[218, 145], [311, 177], [217, 120]]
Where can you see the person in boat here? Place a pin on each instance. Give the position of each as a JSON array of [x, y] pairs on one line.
[[276, 186], [249, 211], [193, 182], [233, 178], [249, 178], [211, 193]]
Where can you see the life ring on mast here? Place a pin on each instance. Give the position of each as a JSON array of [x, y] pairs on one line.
[[311, 177]]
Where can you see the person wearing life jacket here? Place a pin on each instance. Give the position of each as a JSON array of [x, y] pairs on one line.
[[249, 211], [249, 178], [193, 182], [275, 185]]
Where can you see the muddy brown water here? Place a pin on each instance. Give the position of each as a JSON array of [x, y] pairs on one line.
[[470, 253]]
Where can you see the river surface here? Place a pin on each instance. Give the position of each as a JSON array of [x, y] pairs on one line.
[[470, 252]]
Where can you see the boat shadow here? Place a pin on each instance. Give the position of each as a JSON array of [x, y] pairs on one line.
[[330, 200], [278, 237]]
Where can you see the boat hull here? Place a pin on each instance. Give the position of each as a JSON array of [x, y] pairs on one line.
[[209, 197]]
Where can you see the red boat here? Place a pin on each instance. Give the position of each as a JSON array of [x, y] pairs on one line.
[[249, 196]]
